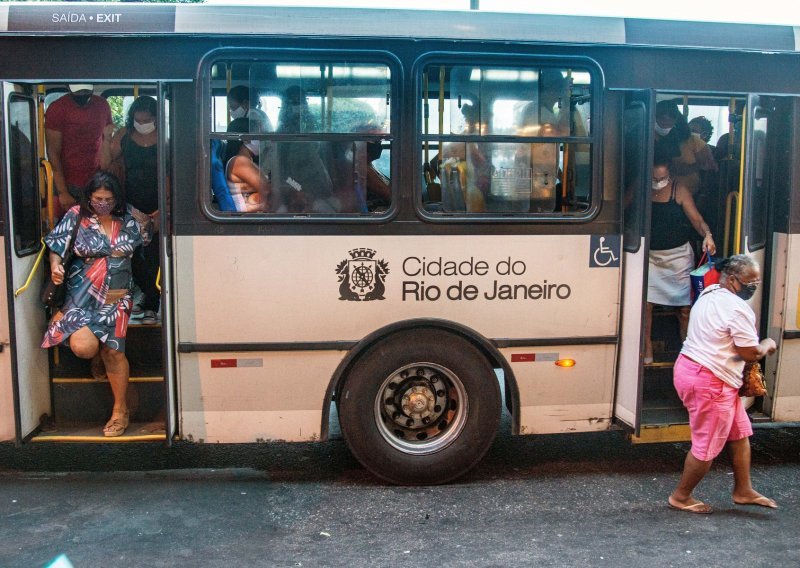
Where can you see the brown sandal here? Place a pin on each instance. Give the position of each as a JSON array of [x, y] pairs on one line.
[[116, 426]]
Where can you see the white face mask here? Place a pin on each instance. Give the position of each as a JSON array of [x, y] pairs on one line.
[[661, 131], [656, 185], [144, 127], [253, 146], [238, 112]]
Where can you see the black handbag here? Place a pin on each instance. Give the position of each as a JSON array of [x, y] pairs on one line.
[[52, 294]]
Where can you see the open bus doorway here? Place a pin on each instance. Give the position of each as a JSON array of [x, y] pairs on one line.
[[735, 198], [57, 395]]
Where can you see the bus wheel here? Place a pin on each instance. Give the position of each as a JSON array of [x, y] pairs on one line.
[[420, 407]]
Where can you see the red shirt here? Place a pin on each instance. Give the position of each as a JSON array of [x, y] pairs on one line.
[[81, 129]]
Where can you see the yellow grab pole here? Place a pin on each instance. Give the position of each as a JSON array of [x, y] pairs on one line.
[[426, 115], [35, 267], [740, 205]]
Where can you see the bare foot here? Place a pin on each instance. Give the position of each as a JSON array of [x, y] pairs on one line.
[[690, 505], [755, 498]]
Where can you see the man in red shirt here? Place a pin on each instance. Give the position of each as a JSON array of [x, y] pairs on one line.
[[74, 132]]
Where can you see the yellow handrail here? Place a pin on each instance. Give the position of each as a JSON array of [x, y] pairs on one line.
[[36, 264], [47, 174], [158, 279], [740, 204]]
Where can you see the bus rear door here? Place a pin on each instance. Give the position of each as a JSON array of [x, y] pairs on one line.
[[25, 363], [767, 230], [637, 156]]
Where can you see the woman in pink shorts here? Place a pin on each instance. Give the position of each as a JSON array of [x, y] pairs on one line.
[[707, 375]]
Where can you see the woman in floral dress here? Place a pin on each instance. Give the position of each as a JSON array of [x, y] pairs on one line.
[[94, 317]]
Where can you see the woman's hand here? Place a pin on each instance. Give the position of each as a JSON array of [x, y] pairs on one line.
[[708, 244], [57, 273], [768, 345]]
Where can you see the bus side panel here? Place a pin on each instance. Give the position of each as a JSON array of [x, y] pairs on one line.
[[341, 288], [281, 289], [7, 413], [786, 397], [556, 399], [254, 396]]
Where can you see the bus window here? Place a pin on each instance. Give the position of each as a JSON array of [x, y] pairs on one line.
[[506, 139], [317, 135], [23, 170]]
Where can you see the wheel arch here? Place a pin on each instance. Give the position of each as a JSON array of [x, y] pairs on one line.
[[486, 346]]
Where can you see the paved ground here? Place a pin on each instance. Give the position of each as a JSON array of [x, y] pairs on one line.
[[579, 500]]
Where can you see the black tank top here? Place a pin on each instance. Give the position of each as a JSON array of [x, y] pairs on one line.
[[669, 227], [141, 175]]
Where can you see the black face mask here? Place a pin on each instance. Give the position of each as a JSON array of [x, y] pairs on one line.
[[374, 150], [81, 100], [747, 290]]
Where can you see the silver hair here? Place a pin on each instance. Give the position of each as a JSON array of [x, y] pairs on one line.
[[736, 265]]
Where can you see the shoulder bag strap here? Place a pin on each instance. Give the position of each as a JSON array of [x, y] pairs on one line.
[[70, 251]]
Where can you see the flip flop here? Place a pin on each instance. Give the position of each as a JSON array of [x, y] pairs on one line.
[[699, 508], [761, 501]]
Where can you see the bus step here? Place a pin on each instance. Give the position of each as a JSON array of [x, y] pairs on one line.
[[91, 402], [93, 433], [662, 433]]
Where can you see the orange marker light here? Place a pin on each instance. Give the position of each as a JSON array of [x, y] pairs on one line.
[[566, 362]]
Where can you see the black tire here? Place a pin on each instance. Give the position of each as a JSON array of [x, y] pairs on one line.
[[420, 407]]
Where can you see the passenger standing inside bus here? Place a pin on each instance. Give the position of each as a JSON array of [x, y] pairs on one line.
[[136, 146], [690, 155], [671, 255], [304, 182], [708, 375], [239, 107], [74, 132], [95, 314]]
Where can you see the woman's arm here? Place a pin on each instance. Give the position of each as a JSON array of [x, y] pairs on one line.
[[756, 352], [685, 200], [56, 269], [111, 148]]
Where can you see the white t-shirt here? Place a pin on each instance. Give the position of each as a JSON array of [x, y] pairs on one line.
[[718, 321]]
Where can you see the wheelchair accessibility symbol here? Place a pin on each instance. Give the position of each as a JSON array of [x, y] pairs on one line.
[[604, 251]]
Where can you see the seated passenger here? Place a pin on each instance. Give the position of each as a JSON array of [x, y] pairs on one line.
[[249, 187]]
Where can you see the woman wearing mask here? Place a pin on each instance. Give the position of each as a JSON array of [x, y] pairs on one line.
[[708, 375], [135, 149], [249, 188], [94, 317], [673, 138], [671, 255]]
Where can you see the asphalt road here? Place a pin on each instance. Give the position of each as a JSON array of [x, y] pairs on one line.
[[572, 500]]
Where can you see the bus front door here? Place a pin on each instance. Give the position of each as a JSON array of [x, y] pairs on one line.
[[24, 363]]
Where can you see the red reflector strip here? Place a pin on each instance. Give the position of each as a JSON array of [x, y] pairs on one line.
[[221, 363], [522, 357]]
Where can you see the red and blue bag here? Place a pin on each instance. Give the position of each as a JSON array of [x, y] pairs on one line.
[[703, 276]]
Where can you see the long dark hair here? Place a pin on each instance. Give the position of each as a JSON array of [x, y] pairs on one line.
[[141, 104], [103, 180]]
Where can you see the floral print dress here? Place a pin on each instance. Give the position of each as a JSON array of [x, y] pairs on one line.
[[100, 263]]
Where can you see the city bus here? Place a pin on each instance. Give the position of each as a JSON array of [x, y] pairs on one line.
[[457, 223]]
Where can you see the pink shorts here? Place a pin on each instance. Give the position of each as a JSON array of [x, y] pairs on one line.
[[716, 413]]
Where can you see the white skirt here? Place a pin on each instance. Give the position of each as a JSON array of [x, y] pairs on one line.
[[668, 276]]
